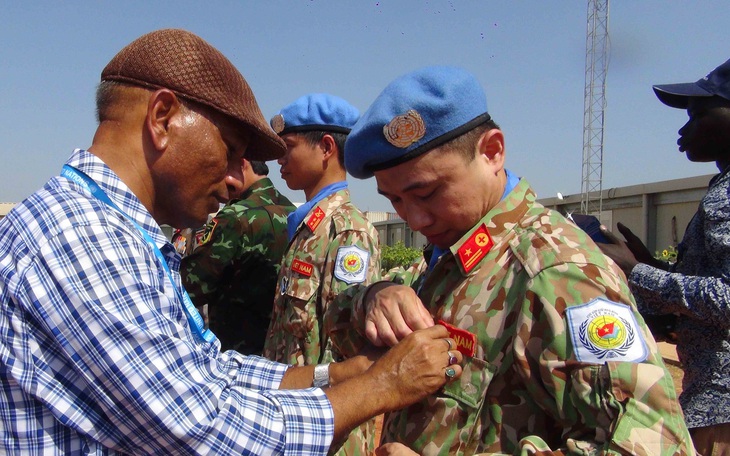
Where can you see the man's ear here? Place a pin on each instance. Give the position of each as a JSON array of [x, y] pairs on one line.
[[328, 146], [162, 106], [491, 147]]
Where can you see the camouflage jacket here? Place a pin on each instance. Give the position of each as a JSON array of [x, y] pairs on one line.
[[542, 378], [234, 269], [333, 248]]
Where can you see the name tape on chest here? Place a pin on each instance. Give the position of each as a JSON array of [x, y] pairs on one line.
[[602, 330], [466, 342], [351, 264], [302, 267]]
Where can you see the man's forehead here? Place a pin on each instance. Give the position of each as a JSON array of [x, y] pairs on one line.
[[395, 180]]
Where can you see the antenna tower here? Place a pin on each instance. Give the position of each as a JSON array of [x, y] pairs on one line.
[[594, 106]]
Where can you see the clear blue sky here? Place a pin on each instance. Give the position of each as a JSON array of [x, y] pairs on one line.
[[529, 56]]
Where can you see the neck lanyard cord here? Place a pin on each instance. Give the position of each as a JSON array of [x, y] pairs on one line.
[[193, 316]]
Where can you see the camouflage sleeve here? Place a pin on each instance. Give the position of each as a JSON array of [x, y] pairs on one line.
[[203, 270], [609, 408], [345, 317], [356, 264]]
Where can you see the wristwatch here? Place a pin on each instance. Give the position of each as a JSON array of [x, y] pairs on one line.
[[321, 376]]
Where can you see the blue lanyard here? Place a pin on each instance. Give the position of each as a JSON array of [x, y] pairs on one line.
[[194, 318]]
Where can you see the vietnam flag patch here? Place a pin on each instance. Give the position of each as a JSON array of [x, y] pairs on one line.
[[466, 342], [315, 219], [475, 248]]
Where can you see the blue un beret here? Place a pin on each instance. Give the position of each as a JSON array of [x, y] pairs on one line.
[[414, 114], [316, 111]]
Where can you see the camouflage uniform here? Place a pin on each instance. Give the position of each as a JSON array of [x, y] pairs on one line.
[[335, 247], [524, 391], [234, 270]]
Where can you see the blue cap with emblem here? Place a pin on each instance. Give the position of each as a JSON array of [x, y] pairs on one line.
[[717, 82], [415, 113], [316, 112]]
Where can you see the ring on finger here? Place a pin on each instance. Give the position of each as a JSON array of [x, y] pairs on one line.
[[450, 372], [448, 341], [452, 358]]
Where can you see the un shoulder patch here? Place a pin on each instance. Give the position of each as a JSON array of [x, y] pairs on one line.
[[602, 330], [351, 265]]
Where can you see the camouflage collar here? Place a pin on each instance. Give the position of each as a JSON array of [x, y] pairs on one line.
[[493, 228]]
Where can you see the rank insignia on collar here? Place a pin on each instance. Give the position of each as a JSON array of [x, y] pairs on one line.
[[277, 123], [404, 130], [315, 219], [302, 268], [475, 248], [466, 342]]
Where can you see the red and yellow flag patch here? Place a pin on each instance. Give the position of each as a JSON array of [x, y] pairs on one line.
[[302, 268]]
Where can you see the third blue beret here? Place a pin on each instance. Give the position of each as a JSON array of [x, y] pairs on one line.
[[315, 111]]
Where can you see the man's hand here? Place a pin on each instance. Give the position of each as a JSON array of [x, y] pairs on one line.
[[629, 253], [393, 312], [641, 253], [618, 250], [417, 366], [421, 364]]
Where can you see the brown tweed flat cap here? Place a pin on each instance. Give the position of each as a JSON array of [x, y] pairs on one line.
[[186, 64]]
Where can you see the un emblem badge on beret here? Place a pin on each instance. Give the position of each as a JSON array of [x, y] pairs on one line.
[[404, 130], [277, 123]]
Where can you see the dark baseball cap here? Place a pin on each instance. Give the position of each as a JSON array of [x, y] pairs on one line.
[[716, 83]]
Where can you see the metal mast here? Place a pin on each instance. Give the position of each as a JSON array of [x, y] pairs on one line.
[[594, 106]]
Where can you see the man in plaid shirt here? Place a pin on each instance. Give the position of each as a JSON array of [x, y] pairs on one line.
[[101, 350]]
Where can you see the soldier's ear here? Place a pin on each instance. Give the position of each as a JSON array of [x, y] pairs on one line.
[[328, 146]]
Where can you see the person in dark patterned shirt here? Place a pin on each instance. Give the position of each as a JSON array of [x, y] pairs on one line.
[[234, 269], [697, 286]]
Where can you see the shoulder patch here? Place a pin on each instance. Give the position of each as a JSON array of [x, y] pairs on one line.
[[208, 233], [351, 265], [602, 330]]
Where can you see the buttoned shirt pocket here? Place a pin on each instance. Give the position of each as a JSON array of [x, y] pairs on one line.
[[469, 391], [300, 311]]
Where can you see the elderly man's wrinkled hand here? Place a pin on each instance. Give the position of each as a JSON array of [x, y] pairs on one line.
[[421, 364], [393, 312]]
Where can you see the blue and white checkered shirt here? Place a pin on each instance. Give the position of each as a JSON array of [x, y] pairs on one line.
[[96, 353]]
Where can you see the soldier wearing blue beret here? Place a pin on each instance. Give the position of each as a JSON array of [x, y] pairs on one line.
[[332, 245], [557, 357]]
